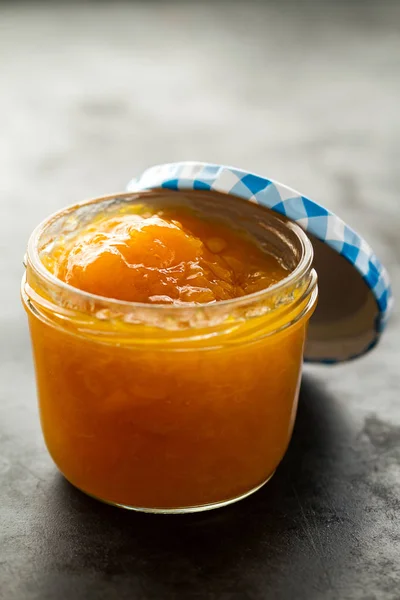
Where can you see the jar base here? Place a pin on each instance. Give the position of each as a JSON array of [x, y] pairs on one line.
[[182, 510]]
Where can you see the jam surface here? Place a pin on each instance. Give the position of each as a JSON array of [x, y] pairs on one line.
[[169, 257]]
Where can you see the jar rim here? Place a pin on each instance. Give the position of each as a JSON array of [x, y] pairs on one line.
[[297, 274]]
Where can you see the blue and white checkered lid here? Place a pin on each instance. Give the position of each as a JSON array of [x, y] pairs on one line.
[[355, 298]]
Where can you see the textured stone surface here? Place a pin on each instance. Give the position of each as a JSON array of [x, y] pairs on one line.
[[307, 94]]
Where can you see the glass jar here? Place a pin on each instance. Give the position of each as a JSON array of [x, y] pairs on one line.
[[166, 408]]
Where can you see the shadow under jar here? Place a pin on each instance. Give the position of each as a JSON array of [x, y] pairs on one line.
[[166, 408]]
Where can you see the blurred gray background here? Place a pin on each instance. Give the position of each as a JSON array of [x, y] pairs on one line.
[[306, 93]]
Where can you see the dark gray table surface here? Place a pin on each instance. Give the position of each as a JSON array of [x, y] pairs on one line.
[[307, 93]]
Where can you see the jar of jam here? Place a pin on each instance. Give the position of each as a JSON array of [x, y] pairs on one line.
[[168, 332]]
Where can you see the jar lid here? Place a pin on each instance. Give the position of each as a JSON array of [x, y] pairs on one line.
[[355, 298]]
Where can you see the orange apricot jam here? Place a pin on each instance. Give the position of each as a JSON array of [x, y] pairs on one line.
[[168, 341], [170, 256]]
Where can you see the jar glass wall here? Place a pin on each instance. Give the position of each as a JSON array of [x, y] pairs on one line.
[[169, 408]]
